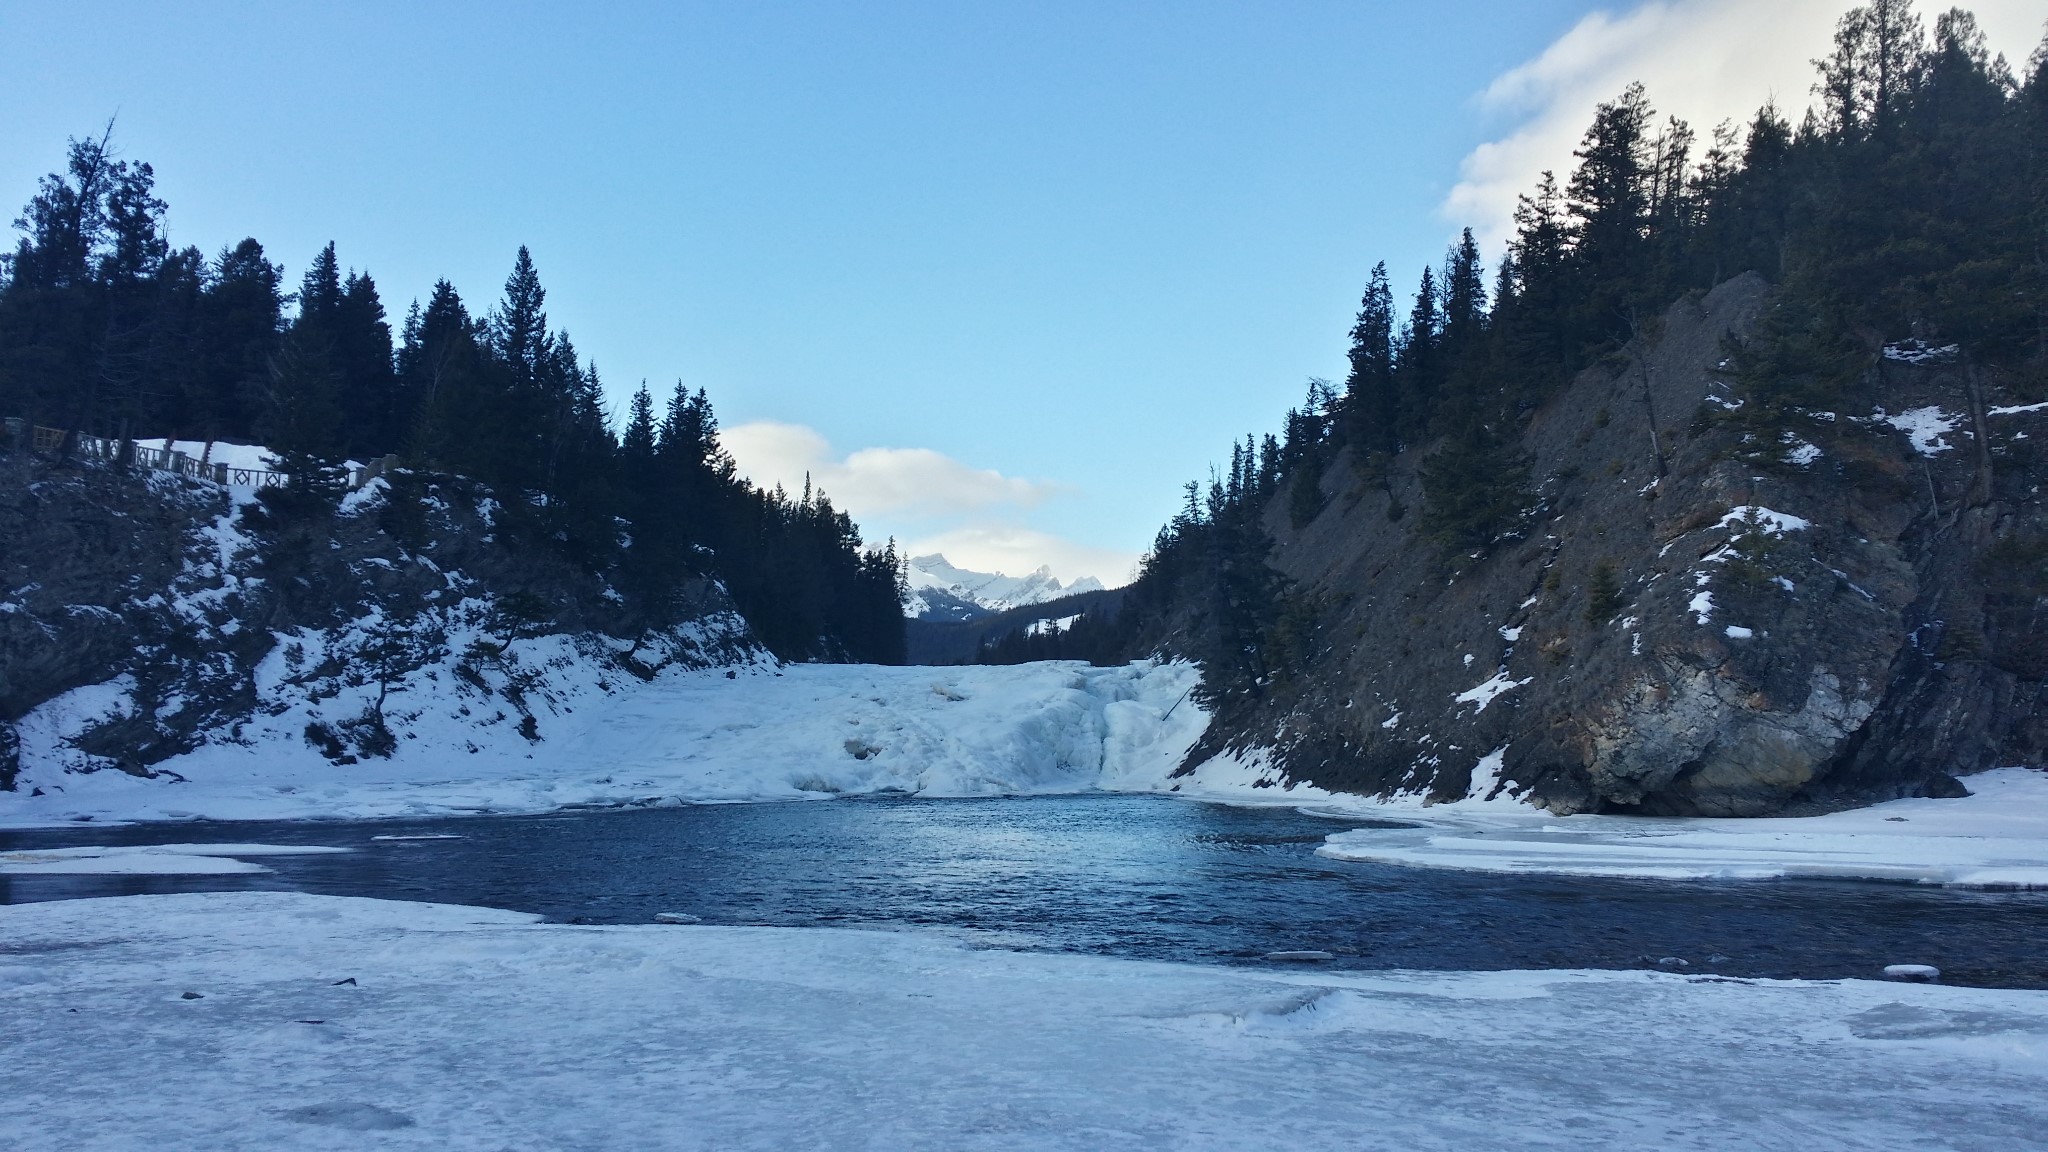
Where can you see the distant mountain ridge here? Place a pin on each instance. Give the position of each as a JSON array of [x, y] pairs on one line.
[[940, 591]]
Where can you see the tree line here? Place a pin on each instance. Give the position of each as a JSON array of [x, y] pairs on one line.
[[107, 329], [1910, 201]]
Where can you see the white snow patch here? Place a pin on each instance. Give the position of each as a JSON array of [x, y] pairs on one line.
[[363, 499], [1486, 774], [2016, 409], [1702, 607], [1737, 632], [1924, 427], [1920, 352], [1755, 516], [1051, 627], [1844, 578], [1484, 694]]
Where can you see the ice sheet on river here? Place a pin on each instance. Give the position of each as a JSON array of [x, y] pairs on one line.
[[803, 731], [468, 1028], [1997, 837], [148, 859]]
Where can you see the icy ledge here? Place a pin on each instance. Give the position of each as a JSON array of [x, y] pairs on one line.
[[279, 1020], [803, 732], [1997, 837]]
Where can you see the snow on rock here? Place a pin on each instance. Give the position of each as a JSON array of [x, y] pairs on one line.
[[747, 733], [1920, 352], [1997, 837], [1768, 521], [1484, 694], [2016, 409], [1924, 427], [47, 731], [1486, 774], [1702, 608], [470, 1028]]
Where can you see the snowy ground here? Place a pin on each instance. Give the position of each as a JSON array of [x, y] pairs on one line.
[[274, 1020], [1995, 838], [800, 732]]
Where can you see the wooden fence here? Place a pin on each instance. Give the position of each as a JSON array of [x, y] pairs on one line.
[[50, 442]]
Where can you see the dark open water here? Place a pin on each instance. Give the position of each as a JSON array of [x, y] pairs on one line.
[[1119, 875]]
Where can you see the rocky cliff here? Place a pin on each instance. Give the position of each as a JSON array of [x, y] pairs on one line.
[[199, 610], [1692, 623]]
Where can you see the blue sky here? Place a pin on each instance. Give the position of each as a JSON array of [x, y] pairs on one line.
[[1002, 276]]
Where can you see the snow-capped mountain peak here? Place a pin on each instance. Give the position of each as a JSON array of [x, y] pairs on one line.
[[938, 589]]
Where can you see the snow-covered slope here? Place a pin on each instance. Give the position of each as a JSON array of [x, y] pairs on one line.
[[938, 590], [327, 1022], [752, 732]]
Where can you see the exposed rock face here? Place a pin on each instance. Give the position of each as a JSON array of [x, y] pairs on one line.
[[167, 588], [1854, 620]]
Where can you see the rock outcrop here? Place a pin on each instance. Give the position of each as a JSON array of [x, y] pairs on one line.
[[1688, 626]]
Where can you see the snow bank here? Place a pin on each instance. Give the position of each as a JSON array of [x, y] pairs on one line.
[[801, 732], [228, 1021], [149, 859], [1995, 838]]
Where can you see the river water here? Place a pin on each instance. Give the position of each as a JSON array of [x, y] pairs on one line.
[[1135, 876]]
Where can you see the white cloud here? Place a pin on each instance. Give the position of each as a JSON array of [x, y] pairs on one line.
[[1704, 61], [926, 498], [872, 481]]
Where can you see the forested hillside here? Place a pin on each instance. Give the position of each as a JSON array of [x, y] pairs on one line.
[[1789, 312], [107, 330]]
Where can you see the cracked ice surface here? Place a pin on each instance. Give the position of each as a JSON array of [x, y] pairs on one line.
[[470, 1028]]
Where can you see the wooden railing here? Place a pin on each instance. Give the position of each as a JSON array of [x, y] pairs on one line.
[[50, 441]]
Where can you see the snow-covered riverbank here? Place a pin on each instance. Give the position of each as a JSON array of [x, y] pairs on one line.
[[1997, 837], [804, 731], [819, 731], [273, 1020]]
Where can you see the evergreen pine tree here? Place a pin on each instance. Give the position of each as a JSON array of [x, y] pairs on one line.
[[1371, 412], [1417, 371]]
